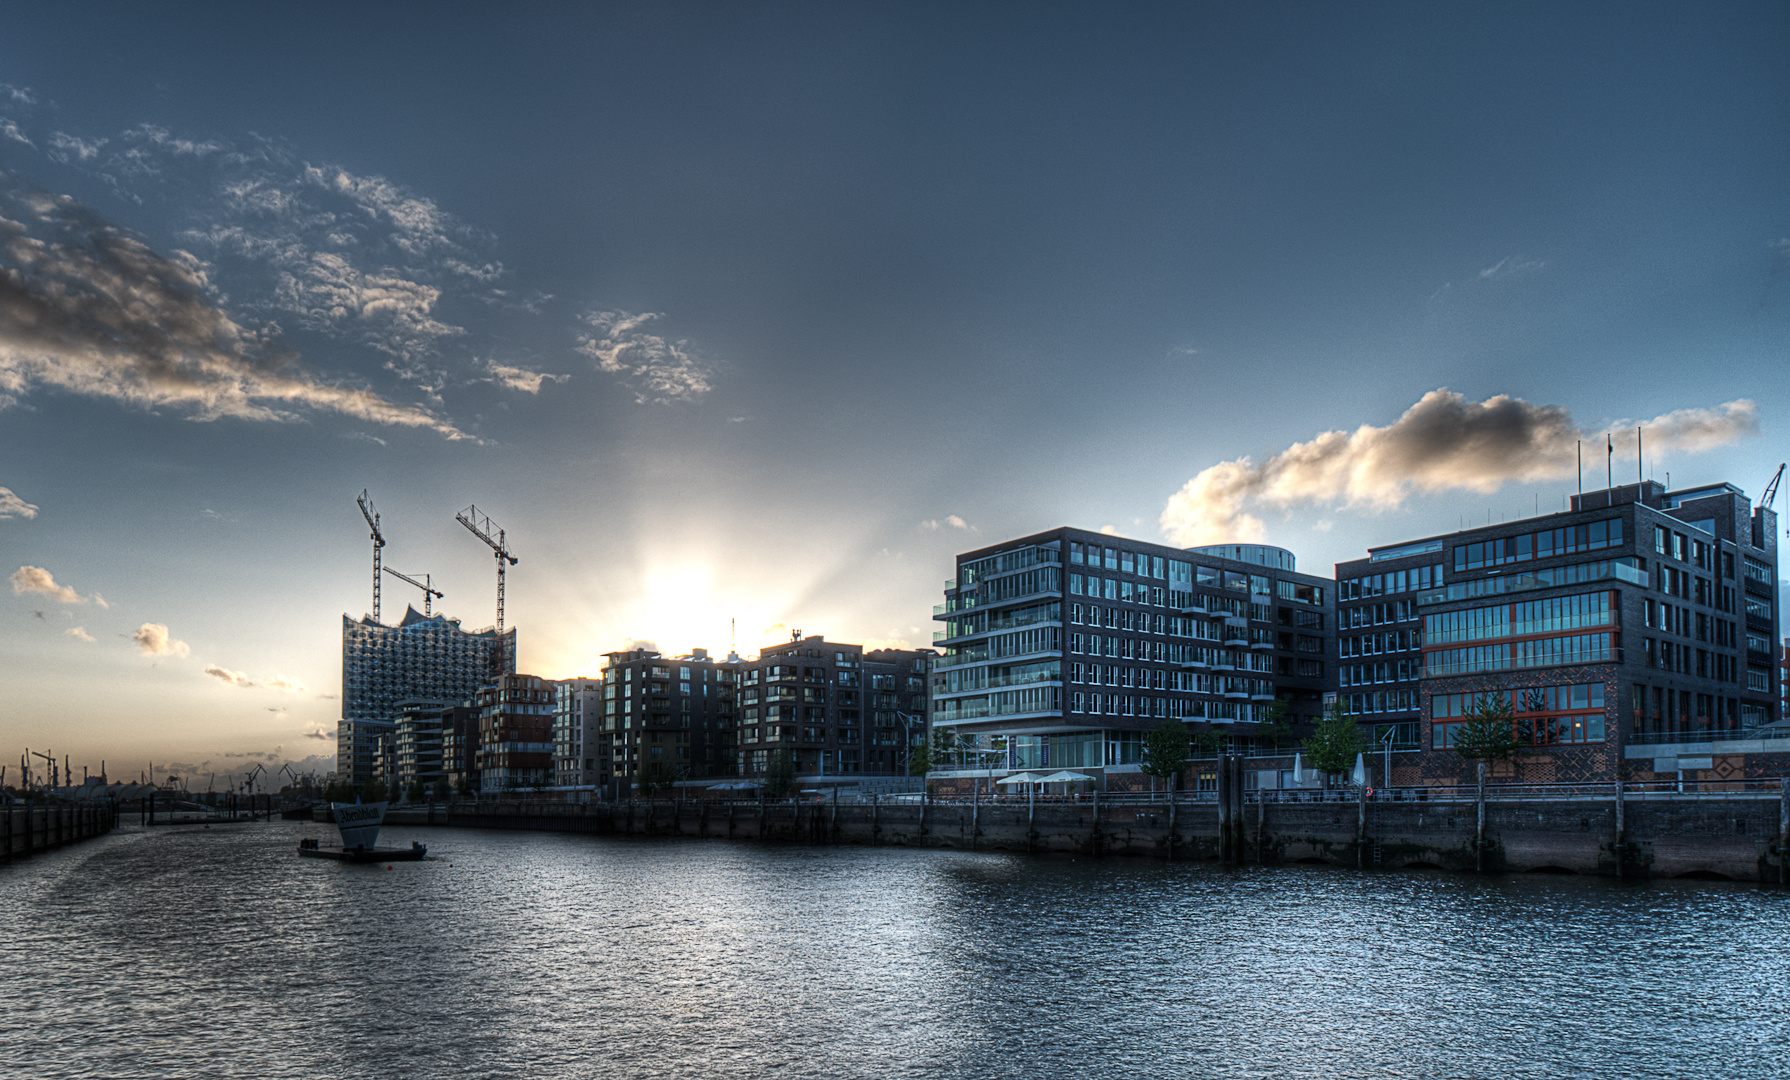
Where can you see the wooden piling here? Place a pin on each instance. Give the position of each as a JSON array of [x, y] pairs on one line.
[[1361, 858], [1479, 832], [1171, 818], [1224, 809]]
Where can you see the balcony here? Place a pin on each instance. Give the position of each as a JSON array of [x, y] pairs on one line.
[[1235, 641]]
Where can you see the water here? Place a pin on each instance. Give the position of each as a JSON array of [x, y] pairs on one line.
[[190, 952]]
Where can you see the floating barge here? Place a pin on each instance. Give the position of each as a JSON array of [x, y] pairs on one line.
[[359, 824], [309, 849]]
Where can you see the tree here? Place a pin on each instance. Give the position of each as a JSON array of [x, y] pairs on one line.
[[1334, 743], [441, 790], [1274, 718], [921, 762], [415, 794], [780, 774], [1489, 730], [464, 786], [1166, 748], [656, 776]]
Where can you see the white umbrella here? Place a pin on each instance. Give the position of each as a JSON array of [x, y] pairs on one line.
[[1064, 777], [1360, 771], [1018, 778], [1298, 769]]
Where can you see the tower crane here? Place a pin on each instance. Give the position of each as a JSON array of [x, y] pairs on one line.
[[248, 781], [428, 590], [482, 527], [1770, 497], [366, 510]]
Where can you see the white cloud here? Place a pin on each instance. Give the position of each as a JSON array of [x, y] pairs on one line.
[[35, 579], [91, 310], [949, 521], [65, 147], [79, 634], [280, 682], [225, 675], [656, 368], [11, 506], [1443, 442], [154, 640], [516, 378], [10, 130], [1514, 266]]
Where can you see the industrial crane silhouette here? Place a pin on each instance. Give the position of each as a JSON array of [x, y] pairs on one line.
[[366, 509], [1770, 498], [482, 527], [428, 590]]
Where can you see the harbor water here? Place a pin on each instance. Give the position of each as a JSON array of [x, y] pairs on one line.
[[186, 951]]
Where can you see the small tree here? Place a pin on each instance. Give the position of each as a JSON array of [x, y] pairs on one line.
[[441, 790], [415, 793], [1166, 748], [1489, 730], [780, 774], [1334, 743], [921, 762], [1274, 719]]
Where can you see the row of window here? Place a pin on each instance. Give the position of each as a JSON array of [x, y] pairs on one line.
[[1534, 699], [1396, 581], [1537, 652], [1516, 620], [1547, 543]]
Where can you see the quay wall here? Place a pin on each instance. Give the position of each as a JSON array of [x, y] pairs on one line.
[[28, 830], [1740, 837]]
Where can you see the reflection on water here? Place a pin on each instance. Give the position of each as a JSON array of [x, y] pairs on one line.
[[220, 953]]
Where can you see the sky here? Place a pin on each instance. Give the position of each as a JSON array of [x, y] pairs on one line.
[[756, 315]]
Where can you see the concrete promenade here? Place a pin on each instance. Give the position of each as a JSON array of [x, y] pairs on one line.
[[27, 830], [1734, 835]]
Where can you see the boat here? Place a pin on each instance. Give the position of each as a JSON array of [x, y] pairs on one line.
[[359, 825]]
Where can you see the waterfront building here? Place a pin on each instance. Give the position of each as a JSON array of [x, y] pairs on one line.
[[898, 706], [515, 727], [577, 723], [840, 713], [416, 742], [664, 720], [421, 658], [1063, 648], [1632, 635]]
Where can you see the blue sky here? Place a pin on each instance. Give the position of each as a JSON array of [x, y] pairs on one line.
[[765, 312]]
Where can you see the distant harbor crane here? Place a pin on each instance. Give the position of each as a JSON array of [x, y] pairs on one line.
[[367, 511], [428, 590], [482, 527]]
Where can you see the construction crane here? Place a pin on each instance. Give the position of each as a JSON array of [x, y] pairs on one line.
[[367, 511], [50, 761], [481, 526], [428, 591], [248, 781], [1770, 498]]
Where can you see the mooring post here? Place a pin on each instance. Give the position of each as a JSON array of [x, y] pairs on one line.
[[1031, 819], [1241, 818], [1094, 838], [1224, 809], [1171, 818], [1261, 826], [1361, 826], [975, 808], [925, 805], [1479, 833], [876, 822], [1620, 846]]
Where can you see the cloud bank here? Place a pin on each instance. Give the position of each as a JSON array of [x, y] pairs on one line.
[[11, 506], [89, 309], [35, 579], [228, 677], [656, 368], [1442, 443], [154, 640]]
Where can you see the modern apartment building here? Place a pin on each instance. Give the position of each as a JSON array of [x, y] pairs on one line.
[[417, 742], [421, 658], [664, 720], [515, 718], [1063, 648], [1638, 619], [838, 711], [577, 722]]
